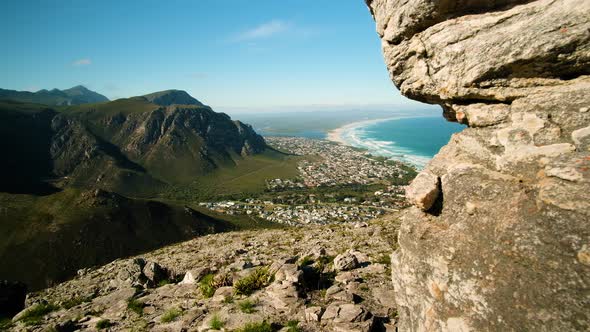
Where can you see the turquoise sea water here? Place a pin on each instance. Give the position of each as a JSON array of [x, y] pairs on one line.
[[414, 140]]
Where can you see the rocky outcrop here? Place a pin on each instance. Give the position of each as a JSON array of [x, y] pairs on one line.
[[505, 245], [221, 280]]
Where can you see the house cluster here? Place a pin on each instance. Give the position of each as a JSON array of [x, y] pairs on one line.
[[304, 200], [334, 164], [297, 215]]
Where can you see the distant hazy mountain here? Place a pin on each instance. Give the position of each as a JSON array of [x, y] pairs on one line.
[[75, 96]]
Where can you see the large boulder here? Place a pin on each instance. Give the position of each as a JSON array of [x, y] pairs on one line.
[[346, 261], [507, 246]]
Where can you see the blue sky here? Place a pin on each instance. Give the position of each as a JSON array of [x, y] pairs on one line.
[[230, 54]]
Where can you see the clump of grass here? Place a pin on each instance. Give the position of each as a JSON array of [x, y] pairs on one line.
[[307, 260], [206, 285], [139, 326], [384, 259], [210, 283], [171, 315], [293, 326], [70, 303], [256, 327], [325, 260], [135, 305], [103, 324], [256, 280], [36, 313], [164, 282], [228, 299], [247, 306], [216, 323]]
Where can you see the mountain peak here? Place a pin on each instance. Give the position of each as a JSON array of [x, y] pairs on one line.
[[79, 87], [170, 97]]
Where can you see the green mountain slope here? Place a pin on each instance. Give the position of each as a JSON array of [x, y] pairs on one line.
[[46, 239], [85, 184]]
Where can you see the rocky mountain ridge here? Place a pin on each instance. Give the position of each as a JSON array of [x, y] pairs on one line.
[[499, 236], [125, 143], [316, 278]]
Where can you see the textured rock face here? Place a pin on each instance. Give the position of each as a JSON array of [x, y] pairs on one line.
[[507, 246]]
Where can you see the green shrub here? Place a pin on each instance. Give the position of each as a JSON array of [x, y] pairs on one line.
[[164, 282], [256, 280], [135, 305], [325, 260], [34, 315], [384, 259], [216, 323], [307, 260], [70, 303], [247, 306], [103, 324], [293, 326], [171, 315], [256, 327], [206, 285], [210, 283]]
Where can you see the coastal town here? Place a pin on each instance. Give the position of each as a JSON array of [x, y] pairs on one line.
[[335, 183]]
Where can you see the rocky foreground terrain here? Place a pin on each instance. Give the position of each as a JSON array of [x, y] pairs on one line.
[[317, 278], [499, 235]]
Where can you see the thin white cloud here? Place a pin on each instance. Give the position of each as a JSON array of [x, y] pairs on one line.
[[264, 30], [82, 62]]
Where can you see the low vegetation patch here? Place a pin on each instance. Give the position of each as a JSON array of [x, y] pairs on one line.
[[35, 314], [164, 282], [256, 327], [256, 280], [135, 305], [70, 303], [206, 285], [293, 326], [247, 306], [210, 283], [171, 315], [103, 324], [216, 323], [307, 260], [384, 259]]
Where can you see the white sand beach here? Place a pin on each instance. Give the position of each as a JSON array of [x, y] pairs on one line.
[[336, 135]]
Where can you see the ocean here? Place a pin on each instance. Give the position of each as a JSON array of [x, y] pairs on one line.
[[415, 140], [412, 135]]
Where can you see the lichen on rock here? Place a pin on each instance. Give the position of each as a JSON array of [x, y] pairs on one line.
[[507, 249]]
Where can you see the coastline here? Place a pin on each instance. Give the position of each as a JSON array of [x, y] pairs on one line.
[[335, 135], [348, 135]]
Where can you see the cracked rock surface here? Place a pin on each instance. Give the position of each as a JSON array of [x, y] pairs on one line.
[[506, 249]]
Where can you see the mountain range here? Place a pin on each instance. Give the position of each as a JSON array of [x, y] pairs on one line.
[[74, 96], [79, 184]]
